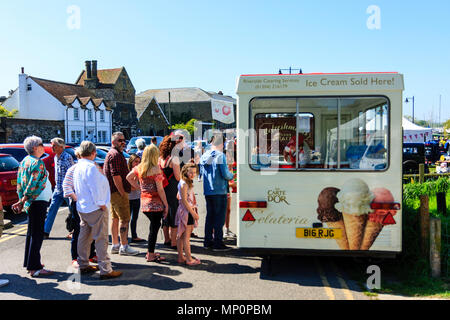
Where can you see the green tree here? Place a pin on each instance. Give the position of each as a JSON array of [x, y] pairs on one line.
[[6, 113], [446, 127], [188, 126]]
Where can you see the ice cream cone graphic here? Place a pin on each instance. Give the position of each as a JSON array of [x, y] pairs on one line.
[[354, 203], [328, 214], [378, 218]]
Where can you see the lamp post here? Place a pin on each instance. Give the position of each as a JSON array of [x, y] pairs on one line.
[[406, 101]]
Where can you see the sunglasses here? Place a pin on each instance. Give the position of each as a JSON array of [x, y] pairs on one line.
[[121, 140]]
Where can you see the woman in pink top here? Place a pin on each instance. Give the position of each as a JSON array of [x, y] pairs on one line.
[[153, 198], [187, 216]]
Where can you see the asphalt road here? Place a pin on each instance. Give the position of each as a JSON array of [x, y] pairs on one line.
[[231, 275]]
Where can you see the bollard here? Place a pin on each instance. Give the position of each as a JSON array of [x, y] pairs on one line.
[[424, 224], [435, 247]]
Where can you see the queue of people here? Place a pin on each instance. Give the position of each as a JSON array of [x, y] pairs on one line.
[[156, 181]]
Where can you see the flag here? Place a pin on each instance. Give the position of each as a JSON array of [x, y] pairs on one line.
[[222, 111]]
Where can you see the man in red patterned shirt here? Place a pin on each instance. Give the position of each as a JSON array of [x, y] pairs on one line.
[[116, 170]]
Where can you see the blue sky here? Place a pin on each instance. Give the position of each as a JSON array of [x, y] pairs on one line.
[[208, 44]]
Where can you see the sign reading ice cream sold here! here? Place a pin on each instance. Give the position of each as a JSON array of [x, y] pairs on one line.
[[320, 82]]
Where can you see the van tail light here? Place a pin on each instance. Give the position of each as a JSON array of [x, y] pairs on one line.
[[385, 206], [253, 204]]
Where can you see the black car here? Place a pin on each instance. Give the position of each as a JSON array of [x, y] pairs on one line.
[[413, 155], [433, 152]]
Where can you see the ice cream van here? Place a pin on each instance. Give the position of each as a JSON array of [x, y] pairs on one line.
[[320, 164]]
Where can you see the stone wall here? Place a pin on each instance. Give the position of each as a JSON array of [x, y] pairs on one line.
[[13, 130], [152, 124]]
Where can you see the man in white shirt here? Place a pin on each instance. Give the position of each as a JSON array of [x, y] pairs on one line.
[[93, 198]]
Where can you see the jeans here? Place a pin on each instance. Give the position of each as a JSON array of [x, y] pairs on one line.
[[216, 209], [76, 233], [35, 235], [155, 224], [135, 206], [57, 200]]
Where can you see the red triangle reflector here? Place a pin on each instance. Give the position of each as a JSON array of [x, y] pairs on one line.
[[389, 219], [248, 216]]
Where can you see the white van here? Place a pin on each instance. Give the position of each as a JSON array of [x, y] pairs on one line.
[[320, 164]]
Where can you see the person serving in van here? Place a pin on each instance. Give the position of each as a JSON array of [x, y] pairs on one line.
[[290, 151]]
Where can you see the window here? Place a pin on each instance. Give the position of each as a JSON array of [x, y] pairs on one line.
[[76, 114], [90, 117], [102, 116], [102, 136], [337, 133], [76, 136], [29, 87]]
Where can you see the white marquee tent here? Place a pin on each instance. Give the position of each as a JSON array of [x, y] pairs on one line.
[[413, 133]]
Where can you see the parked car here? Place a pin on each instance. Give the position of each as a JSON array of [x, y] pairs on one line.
[[17, 150], [106, 149], [100, 159], [131, 147], [413, 155], [433, 152], [8, 181]]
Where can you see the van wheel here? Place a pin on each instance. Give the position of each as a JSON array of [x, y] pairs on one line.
[[266, 266]]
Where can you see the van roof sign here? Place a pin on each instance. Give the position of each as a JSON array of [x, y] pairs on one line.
[[320, 82]]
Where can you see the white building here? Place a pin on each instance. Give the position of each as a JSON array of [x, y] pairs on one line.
[[85, 116]]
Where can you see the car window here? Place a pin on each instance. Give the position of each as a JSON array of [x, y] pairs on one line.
[[18, 153], [8, 164]]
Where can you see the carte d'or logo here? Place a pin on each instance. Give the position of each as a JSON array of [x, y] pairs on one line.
[[277, 196]]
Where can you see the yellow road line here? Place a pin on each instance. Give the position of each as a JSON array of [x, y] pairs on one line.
[[326, 284], [345, 289], [18, 232]]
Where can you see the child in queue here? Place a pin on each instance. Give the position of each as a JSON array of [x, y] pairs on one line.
[[187, 216]]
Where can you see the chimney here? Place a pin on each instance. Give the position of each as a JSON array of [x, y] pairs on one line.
[[220, 93], [94, 69], [23, 70], [88, 70]]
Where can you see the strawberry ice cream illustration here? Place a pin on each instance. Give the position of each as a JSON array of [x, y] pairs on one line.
[[383, 215]]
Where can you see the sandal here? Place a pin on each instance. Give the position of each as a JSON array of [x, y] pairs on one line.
[[195, 262], [157, 258]]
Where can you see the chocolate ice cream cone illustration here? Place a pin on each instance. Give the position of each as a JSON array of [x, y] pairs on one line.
[[354, 203], [329, 215], [378, 218]]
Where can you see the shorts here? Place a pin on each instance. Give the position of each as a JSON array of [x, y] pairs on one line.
[[120, 207]]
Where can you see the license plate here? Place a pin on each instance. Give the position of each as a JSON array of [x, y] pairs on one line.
[[14, 182], [318, 233]]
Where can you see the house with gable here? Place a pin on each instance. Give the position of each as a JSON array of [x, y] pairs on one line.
[[114, 86], [75, 112]]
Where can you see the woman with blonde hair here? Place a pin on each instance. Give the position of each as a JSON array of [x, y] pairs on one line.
[[148, 177]]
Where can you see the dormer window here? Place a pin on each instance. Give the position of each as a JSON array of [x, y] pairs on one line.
[[102, 116], [90, 117]]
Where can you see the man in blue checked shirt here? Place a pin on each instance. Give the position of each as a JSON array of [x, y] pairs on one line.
[[63, 161]]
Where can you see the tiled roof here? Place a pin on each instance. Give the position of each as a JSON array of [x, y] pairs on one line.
[[105, 76], [184, 95], [67, 93], [177, 95]]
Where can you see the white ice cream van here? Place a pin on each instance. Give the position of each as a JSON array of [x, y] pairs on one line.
[[320, 164]]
